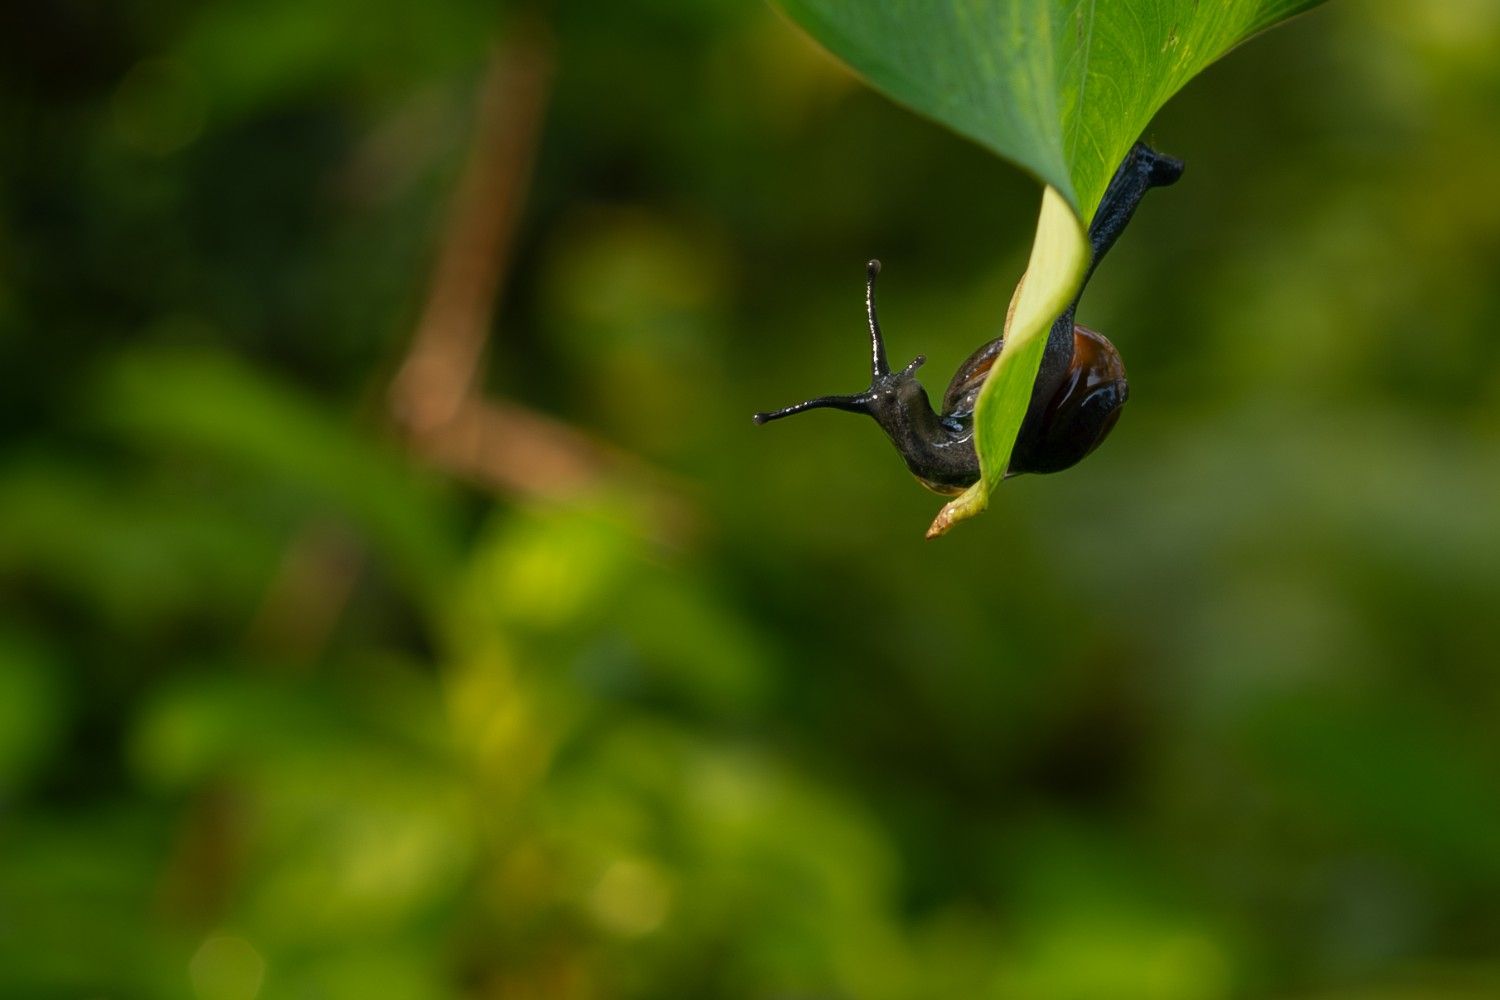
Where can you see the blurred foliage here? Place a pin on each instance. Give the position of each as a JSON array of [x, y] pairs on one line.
[[288, 712]]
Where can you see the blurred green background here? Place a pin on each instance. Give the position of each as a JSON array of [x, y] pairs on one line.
[[333, 668]]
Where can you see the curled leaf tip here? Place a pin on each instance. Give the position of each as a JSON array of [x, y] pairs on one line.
[[962, 507]]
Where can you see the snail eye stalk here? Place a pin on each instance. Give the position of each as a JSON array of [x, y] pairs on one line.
[[850, 404], [880, 368], [878, 364]]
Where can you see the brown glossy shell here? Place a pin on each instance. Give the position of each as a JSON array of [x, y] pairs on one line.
[[969, 379], [1082, 411], [1071, 423], [1094, 357]]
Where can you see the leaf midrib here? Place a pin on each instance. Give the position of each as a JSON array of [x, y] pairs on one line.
[[1070, 151]]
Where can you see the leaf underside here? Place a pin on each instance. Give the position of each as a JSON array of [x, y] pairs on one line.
[[1060, 87]]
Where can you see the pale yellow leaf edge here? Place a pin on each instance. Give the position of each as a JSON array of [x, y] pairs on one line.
[[1054, 273]]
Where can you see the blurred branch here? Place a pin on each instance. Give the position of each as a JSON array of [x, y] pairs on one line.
[[198, 878], [434, 396], [438, 373], [313, 584]]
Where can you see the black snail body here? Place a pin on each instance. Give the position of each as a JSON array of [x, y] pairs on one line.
[[1079, 390]]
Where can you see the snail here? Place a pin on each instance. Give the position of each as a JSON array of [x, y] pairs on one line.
[[1079, 389]]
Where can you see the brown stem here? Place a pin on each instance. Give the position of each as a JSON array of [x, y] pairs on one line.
[[439, 370], [435, 396]]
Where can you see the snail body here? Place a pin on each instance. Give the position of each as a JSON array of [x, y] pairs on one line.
[[1079, 390]]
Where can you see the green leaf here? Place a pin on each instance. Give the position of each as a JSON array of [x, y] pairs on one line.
[[1060, 87], [1059, 258]]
